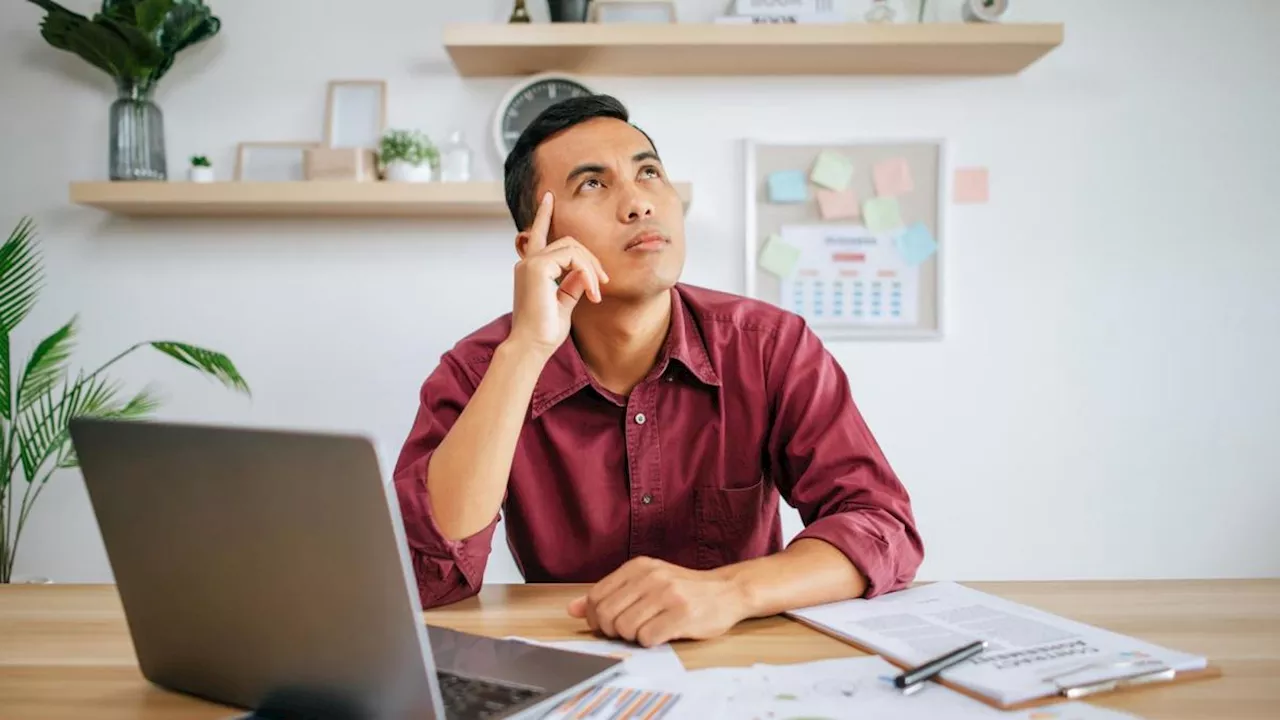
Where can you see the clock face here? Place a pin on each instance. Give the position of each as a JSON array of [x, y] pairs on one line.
[[528, 99]]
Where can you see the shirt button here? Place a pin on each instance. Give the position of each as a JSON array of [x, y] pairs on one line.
[[640, 418], [646, 499]]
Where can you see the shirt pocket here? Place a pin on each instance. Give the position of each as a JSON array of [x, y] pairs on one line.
[[731, 523]]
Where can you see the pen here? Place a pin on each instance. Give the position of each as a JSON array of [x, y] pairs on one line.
[[912, 680]]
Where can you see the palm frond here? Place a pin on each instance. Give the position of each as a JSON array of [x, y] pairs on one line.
[[207, 361], [20, 275], [47, 366], [42, 429], [138, 407]]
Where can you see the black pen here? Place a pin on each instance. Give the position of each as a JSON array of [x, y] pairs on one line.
[[912, 680]]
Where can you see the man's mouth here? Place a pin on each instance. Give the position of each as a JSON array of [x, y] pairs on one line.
[[648, 240]]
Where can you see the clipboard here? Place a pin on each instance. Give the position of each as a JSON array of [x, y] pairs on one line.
[[1175, 678]]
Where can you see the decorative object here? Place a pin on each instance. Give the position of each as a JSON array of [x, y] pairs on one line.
[[885, 11], [355, 113], [408, 156], [568, 10], [519, 13], [526, 99], [987, 11], [873, 272], [455, 159], [38, 400], [272, 161], [136, 43], [201, 171], [349, 164], [632, 11]]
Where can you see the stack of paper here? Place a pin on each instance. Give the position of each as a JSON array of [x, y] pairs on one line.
[[1030, 654]]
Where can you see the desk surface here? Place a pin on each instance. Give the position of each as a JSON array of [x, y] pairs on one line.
[[65, 650]]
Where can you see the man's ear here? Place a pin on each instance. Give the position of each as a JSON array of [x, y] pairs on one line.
[[522, 242]]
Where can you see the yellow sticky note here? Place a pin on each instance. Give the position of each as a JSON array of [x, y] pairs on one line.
[[779, 257], [832, 170], [882, 214]]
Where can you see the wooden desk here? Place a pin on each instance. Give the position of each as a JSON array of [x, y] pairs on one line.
[[65, 651]]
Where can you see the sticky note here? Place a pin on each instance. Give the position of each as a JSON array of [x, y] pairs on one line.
[[833, 205], [892, 177], [970, 185], [916, 244], [832, 170], [779, 257], [788, 186], [882, 214]]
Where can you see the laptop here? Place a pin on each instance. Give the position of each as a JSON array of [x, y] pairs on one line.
[[268, 570]]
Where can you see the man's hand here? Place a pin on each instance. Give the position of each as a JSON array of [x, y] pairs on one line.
[[651, 602], [550, 279]]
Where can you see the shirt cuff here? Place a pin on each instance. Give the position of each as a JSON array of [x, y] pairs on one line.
[[435, 556], [863, 543]]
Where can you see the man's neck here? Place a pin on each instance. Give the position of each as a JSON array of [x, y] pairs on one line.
[[620, 342]]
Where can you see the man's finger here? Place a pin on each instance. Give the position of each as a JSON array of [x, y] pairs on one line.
[[617, 602], [568, 258], [629, 621], [541, 224], [595, 261], [661, 628], [573, 287]]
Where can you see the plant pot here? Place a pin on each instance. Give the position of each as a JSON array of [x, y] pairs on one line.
[[136, 135], [401, 171], [200, 174], [568, 10]]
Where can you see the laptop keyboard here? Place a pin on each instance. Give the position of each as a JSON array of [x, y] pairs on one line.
[[472, 699]]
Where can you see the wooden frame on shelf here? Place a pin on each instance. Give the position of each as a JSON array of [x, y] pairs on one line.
[[244, 158]]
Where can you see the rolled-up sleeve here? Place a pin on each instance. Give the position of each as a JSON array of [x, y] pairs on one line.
[[832, 470], [446, 570]]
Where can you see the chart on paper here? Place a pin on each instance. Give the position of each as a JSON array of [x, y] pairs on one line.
[[848, 274], [617, 703]]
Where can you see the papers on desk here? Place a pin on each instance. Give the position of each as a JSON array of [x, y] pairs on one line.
[[1030, 654]]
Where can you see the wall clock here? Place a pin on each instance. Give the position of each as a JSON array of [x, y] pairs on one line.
[[984, 10], [525, 100]]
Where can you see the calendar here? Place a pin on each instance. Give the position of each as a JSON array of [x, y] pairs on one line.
[[847, 275]]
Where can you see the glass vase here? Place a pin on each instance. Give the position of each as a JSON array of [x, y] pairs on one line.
[[137, 135]]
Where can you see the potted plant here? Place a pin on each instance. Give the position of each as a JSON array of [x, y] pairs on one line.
[[201, 169], [38, 399], [135, 42], [408, 156]]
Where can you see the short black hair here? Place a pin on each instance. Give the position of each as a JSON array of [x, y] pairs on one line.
[[519, 171]]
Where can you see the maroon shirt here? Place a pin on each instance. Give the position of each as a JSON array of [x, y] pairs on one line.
[[744, 406]]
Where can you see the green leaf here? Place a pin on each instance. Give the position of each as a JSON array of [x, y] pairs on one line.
[[47, 366], [141, 53], [42, 428], [207, 361], [188, 23], [151, 14], [77, 34], [20, 275], [122, 10]]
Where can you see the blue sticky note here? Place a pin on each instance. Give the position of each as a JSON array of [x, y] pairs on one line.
[[916, 244], [788, 186]]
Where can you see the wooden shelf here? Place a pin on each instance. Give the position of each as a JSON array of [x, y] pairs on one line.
[[711, 49], [301, 199]]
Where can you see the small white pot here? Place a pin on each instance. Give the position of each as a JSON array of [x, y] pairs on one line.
[[401, 171], [200, 174]]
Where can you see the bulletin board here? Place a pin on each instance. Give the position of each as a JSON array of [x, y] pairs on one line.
[[849, 234]]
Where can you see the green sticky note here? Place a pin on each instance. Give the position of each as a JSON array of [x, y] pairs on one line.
[[778, 257], [832, 171], [882, 214]]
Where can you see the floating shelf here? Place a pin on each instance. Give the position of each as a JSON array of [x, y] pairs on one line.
[[301, 199], [714, 49]]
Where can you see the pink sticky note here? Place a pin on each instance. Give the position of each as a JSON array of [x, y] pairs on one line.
[[971, 185], [892, 177], [835, 204]]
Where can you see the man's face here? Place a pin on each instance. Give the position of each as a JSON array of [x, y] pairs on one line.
[[612, 195]]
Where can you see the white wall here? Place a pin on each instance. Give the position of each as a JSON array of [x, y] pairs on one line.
[[1105, 404]]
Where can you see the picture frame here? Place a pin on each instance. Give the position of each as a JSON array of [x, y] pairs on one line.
[[355, 114], [632, 11], [272, 161], [927, 204]]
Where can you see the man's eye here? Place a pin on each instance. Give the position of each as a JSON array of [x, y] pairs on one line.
[[593, 182], [652, 172]]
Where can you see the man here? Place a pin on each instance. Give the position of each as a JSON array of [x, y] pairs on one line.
[[636, 432]]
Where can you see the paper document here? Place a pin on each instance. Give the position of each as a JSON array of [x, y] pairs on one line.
[[1030, 653], [848, 274]]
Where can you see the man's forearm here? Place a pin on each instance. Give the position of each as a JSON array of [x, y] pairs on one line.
[[467, 476], [809, 572]]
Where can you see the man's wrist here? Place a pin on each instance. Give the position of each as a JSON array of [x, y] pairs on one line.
[[521, 353], [743, 587]]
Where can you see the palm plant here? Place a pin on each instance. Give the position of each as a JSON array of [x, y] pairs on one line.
[[37, 403]]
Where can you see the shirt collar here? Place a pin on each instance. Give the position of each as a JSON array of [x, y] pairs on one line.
[[566, 373]]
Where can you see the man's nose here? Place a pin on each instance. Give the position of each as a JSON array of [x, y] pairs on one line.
[[636, 205]]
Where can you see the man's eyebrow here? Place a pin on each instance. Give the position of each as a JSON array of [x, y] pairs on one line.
[[645, 155], [583, 170]]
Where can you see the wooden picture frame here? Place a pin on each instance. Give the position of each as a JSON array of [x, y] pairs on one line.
[[282, 161], [355, 113], [836, 281]]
